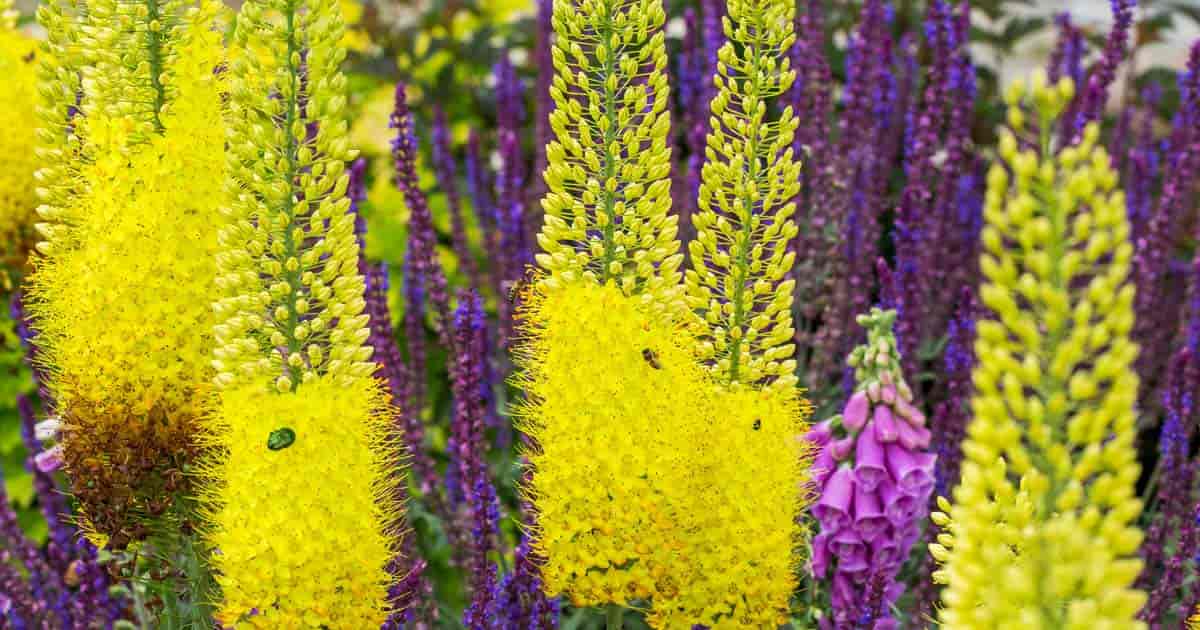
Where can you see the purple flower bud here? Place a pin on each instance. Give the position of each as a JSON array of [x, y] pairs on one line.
[[913, 472], [833, 508], [913, 437], [886, 430], [823, 466], [851, 553], [820, 434], [50, 459], [906, 410], [869, 519], [858, 408], [899, 507], [888, 393], [841, 449], [869, 470]]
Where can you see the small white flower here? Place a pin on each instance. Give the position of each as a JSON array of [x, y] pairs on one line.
[[47, 429]]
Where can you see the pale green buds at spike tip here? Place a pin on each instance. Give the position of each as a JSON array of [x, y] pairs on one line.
[[608, 173], [748, 183], [1042, 532]]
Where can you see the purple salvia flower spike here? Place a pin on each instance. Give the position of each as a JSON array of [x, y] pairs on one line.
[[514, 224], [468, 453], [50, 497], [422, 238], [1156, 301], [479, 189], [1094, 95], [1174, 528], [447, 177]]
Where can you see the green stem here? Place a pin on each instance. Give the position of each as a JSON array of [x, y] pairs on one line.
[[293, 147], [612, 617], [154, 56], [610, 160], [741, 271]]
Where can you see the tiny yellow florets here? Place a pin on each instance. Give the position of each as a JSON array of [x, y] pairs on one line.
[[296, 531], [1042, 533], [18, 119], [651, 481], [121, 294]]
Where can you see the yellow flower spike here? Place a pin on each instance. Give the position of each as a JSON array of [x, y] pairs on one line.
[[18, 66], [119, 294], [641, 456], [1046, 495], [608, 173], [745, 207], [301, 501], [654, 477]]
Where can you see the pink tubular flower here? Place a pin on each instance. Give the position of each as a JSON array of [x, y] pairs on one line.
[[874, 475], [833, 508]]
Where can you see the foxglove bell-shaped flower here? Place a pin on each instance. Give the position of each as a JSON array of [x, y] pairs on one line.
[[869, 505]]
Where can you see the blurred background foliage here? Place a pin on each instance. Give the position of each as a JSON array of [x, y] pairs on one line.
[[445, 50]]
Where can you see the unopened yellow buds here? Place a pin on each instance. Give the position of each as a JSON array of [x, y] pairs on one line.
[[1042, 531], [746, 205]]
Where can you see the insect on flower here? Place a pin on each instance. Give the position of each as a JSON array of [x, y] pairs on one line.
[[281, 438], [651, 358]]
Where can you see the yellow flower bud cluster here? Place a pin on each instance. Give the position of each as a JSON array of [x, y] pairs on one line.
[[18, 118], [291, 298], [608, 172], [651, 481], [59, 147], [132, 49], [750, 177], [301, 503], [1042, 532], [120, 292]]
